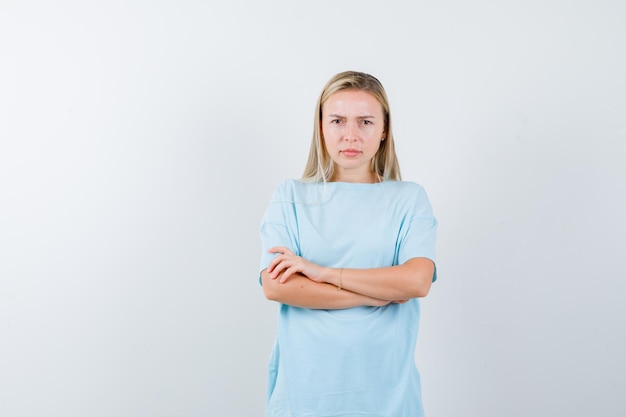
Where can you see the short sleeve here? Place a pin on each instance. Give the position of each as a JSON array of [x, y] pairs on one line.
[[274, 230], [419, 231]]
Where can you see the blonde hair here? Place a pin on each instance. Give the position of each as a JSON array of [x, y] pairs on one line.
[[319, 166]]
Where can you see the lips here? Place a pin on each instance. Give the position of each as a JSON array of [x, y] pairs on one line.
[[350, 152]]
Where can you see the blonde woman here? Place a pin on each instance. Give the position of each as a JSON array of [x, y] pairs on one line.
[[347, 252]]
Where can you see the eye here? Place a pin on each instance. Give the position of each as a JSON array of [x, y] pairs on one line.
[[335, 121], [367, 122]]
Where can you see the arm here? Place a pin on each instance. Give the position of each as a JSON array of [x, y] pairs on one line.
[[409, 280], [300, 291], [412, 279]]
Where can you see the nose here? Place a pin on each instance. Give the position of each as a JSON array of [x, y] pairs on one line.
[[351, 133]]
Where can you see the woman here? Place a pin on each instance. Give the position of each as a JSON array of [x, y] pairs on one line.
[[347, 251]]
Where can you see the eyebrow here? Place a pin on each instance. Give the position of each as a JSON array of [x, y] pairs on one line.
[[339, 116]]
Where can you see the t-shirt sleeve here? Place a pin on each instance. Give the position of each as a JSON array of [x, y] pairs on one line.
[[419, 231], [274, 230]]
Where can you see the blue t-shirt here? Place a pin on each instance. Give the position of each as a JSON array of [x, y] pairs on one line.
[[357, 361]]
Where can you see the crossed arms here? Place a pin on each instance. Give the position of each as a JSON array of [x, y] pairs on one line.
[[291, 279]]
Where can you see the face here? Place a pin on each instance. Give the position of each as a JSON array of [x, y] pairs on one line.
[[353, 125]]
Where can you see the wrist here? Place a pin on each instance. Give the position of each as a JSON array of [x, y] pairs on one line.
[[337, 278]]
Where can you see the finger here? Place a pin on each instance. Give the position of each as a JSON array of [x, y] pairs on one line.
[[272, 264], [288, 273], [281, 249], [280, 267], [275, 262]]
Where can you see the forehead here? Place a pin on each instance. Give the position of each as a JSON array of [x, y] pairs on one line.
[[352, 101]]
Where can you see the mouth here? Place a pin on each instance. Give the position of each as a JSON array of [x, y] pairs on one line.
[[350, 152]]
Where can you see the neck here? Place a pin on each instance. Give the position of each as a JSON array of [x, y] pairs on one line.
[[365, 178]]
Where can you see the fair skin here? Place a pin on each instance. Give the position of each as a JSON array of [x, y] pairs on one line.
[[353, 126]]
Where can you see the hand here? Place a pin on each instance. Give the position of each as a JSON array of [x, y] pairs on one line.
[[288, 263]]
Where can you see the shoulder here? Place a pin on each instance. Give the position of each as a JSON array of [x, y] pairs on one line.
[[293, 190], [408, 185], [409, 193], [292, 185], [405, 188]]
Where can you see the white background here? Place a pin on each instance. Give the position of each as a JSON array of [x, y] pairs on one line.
[[141, 140]]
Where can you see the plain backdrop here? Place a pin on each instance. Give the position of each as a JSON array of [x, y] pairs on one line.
[[141, 140]]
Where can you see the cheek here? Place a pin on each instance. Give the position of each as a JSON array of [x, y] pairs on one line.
[[328, 135], [325, 134], [326, 142]]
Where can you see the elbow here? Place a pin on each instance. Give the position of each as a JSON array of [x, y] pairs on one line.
[[418, 288], [421, 277], [422, 289], [271, 295], [269, 287]]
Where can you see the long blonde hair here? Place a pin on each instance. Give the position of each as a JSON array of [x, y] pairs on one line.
[[319, 166]]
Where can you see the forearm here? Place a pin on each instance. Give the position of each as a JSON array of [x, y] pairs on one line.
[[409, 280], [300, 291]]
